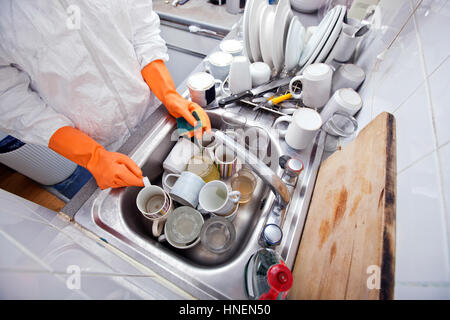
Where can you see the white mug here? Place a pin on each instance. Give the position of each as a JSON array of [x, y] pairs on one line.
[[217, 198], [239, 79], [157, 212], [218, 64], [202, 88], [344, 100], [186, 188], [260, 73], [348, 76], [316, 85], [346, 44], [180, 155], [232, 46], [303, 125]]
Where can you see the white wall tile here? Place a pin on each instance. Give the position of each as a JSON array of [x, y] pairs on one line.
[[421, 246], [391, 17], [444, 155], [433, 23], [415, 136], [410, 292], [440, 99], [400, 73]]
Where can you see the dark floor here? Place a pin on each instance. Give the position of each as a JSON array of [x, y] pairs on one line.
[[24, 187]]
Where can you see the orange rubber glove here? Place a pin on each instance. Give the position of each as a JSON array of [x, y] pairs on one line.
[[160, 82], [110, 169]]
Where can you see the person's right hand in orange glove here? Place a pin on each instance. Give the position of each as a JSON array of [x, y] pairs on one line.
[[110, 169], [161, 83]]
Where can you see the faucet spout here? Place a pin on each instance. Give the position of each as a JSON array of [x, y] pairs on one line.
[[277, 186]]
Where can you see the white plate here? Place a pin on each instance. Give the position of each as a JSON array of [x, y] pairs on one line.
[[265, 37], [295, 42], [332, 38], [326, 36], [247, 10], [283, 16], [330, 55], [335, 15], [315, 38], [254, 30]]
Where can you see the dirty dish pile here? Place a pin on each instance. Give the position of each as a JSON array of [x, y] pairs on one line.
[[200, 196]]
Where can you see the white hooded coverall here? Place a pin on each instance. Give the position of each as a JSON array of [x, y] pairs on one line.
[[76, 63]]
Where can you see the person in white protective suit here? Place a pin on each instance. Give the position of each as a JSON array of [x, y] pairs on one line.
[[79, 77]]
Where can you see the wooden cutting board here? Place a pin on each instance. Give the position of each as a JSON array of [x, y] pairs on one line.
[[347, 250]]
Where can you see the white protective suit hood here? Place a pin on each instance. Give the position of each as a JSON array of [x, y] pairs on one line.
[[76, 63]]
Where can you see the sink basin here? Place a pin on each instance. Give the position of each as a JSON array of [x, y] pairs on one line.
[[112, 214], [246, 220]]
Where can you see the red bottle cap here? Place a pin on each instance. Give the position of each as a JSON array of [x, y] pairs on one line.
[[280, 277]]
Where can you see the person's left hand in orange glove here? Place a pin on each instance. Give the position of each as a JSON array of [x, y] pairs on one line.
[[160, 82], [110, 169]]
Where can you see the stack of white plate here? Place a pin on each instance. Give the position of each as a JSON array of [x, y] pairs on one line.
[[320, 44], [273, 35]]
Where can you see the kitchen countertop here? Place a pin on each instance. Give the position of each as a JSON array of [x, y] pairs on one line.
[[199, 11]]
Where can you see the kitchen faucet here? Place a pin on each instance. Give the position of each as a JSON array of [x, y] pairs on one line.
[[271, 234]]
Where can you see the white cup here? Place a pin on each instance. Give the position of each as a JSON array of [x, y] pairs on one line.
[[180, 155], [202, 88], [218, 64], [260, 73], [303, 125], [316, 85], [155, 212], [217, 198], [348, 76], [186, 188], [232, 46], [239, 79], [346, 44], [344, 100]]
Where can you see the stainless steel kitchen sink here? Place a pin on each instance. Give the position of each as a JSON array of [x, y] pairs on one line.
[[113, 215]]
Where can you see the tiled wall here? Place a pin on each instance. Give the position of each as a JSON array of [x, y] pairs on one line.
[[412, 81]]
